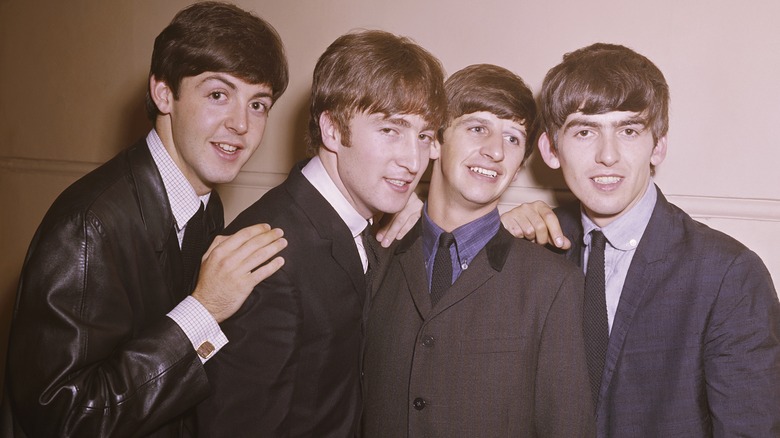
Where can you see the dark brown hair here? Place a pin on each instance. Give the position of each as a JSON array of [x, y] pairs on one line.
[[601, 78], [218, 37], [376, 72]]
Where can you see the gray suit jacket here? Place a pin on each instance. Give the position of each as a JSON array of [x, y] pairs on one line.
[[695, 345], [500, 355]]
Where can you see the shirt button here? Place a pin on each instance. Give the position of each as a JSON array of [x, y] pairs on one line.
[[419, 403], [428, 341], [632, 242]]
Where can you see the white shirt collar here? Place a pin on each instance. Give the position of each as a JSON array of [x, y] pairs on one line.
[[315, 173]]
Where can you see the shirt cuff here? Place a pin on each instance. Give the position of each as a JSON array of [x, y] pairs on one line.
[[200, 327]]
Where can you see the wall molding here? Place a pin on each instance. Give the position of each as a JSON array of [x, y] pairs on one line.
[[698, 206]]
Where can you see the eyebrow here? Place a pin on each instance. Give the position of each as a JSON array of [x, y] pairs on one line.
[[485, 121], [582, 122], [230, 84]]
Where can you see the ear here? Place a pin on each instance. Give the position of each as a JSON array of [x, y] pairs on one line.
[[331, 137], [549, 154], [162, 95], [659, 152], [435, 152]]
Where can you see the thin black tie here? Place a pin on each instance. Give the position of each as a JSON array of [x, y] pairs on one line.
[[193, 246], [595, 328], [368, 247], [441, 280]]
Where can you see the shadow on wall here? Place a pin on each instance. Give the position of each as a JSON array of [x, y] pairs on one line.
[[7, 299], [134, 124]]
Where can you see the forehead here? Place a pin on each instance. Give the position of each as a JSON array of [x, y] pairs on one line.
[[489, 119]]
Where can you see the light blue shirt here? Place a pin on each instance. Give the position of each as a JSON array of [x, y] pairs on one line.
[[623, 236]]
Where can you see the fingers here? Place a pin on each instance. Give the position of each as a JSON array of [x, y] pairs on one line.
[[234, 265], [535, 221], [401, 222], [266, 270]]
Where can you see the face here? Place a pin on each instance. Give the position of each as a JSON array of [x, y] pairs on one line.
[[384, 162], [480, 156], [213, 127], [605, 160]]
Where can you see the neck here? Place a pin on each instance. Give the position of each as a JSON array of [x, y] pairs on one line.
[[448, 209]]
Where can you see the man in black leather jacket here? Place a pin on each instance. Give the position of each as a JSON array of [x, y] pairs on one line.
[[109, 335]]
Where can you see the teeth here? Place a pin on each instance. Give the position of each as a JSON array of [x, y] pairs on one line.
[[227, 148], [396, 182], [606, 179], [481, 171]]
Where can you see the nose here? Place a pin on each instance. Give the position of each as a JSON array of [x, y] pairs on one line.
[[238, 119], [493, 148], [608, 152], [408, 156]]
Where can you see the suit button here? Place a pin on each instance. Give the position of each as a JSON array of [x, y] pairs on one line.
[[428, 341], [419, 403]]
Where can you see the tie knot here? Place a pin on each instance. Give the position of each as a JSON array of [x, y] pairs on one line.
[[446, 240], [597, 240]]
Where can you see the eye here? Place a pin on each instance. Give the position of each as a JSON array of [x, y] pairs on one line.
[[425, 138], [511, 139], [259, 106], [584, 133], [478, 129], [631, 132], [216, 95]]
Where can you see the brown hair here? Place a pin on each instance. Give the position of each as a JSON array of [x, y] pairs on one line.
[[486, 87], [218, 37], [377, 72], [601, 78]]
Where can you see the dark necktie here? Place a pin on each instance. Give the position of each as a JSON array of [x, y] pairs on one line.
[[441, 280], [368, 247], [193, 246], [595, 328]]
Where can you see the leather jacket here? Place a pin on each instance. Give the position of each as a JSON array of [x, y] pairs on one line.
[[91, 351]]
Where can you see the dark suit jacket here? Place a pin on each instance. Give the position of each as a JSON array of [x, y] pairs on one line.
[[500, 355], [291, 366], [91, 351], [695, 345]]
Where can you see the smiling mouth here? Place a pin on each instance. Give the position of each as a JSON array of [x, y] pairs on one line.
[[397, 182], [226, 148], [607, 179], [484, 172]]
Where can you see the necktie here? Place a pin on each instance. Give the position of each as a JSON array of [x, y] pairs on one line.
[[192, 247], [594, 322], [368, 247], [441, 280]]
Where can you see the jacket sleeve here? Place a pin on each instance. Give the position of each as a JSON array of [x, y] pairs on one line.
[[87, 356], [256, 371], [742, 352], [563, 400]]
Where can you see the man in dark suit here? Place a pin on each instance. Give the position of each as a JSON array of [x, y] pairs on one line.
[[472, 332], [106, 338], [292, 366], [689, 337]]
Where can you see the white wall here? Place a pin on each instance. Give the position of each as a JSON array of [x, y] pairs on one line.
[[72, 77]]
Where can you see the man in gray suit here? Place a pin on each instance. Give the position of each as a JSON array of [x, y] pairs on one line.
[[689, 343], [478, 334]]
